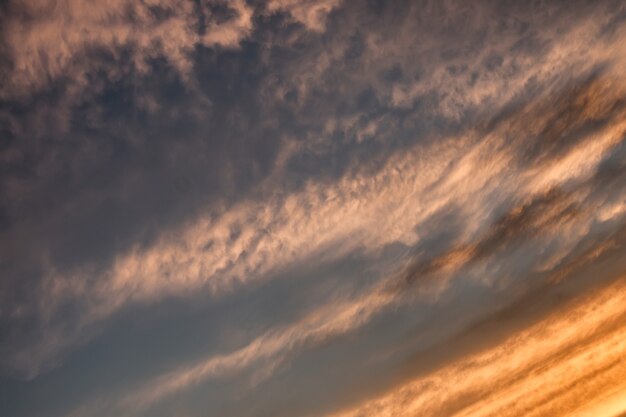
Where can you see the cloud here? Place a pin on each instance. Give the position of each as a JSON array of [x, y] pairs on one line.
[[579, 343], [311, 14], [549, 217], [257, 238], [315, 327], [158, 152], [49, 40]]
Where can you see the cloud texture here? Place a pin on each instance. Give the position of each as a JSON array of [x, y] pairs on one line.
[[282, 208]]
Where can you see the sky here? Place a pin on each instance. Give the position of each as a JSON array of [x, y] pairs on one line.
[[300, 208]]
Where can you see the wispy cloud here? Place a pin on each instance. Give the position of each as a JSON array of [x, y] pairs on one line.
[[558, 366], [292, 180], [258, 238], [553, 223]]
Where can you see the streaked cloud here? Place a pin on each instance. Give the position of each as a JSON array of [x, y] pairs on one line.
[[245, 208], [563, 365]]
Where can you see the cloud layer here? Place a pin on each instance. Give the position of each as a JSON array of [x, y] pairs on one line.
[[229, 202]]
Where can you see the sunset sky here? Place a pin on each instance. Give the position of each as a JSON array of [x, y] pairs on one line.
[[299, 208]]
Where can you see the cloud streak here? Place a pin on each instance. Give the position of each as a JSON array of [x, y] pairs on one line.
[[580, 343], [229, 202]]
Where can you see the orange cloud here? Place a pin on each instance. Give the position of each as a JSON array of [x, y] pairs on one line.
[[570, 363]]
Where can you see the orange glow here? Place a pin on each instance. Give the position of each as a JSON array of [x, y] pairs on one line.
[[571, 363]]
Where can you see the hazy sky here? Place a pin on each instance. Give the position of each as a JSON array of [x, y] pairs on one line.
[[293, 208]]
